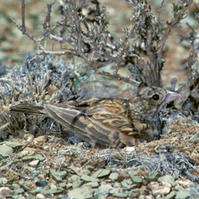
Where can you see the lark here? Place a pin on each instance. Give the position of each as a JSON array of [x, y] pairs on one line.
[[110, 122]]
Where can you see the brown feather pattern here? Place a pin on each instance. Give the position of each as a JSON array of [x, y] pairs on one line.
[[110, 122]]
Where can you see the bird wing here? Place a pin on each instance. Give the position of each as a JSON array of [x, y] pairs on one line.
[[103, 122]]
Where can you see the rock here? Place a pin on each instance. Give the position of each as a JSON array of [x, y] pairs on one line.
[[113, 176], [104, 190], [30, 138], [5, 192], [185, 182], [34, 157], [41, 183], [76, 181], [58, 175], [130, 150], [81, 193], [14, 145], [19, 191], [3, 181], [182, 194], [102, 173], [153, 176], [5, 151], [127, 184], [40, 196], [117, 194], [40, 140], [158, 189], [34, 163], [171, 195], [92, 184], [135, 179], [89, 178], [167, 178]]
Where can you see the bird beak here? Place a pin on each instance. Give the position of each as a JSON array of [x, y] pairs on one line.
[[171, 96]]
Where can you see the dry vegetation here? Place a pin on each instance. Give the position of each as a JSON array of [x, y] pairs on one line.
[[76, 57]]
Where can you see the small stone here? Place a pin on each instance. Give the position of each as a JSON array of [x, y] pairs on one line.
[[141, 197], [89, 178], [92, 184], [58, 175], [148, 197], [5, 192], [3, 181], [89, 167], [41, 183], [34, 163], [5, 151], [153, 175], [27, 151], [117, 194], [167, 178], [130, 149], [104, 190], [86, 172], [170, 195], [81, 193], [40, 196], [127, 184], [19, 191], [29, 138], [113, 176], [40, 140], [136, 193], [101, 173], [159, 189], [14, 145], [135, 179], [34, 157], [76, 181], [184, 182], [117, 185], [182, 194], [74, 178], [23, 153]]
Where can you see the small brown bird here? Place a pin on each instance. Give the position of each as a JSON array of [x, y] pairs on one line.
[[110, 122]]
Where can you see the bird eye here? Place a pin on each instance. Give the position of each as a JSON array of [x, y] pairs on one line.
[[156, 97]]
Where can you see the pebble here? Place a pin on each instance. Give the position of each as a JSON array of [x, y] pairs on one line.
[[182, 194], [81, 193], [40, 196], [5, 192], [130, 149], [3, 181], [158, 189], [5, 151], [40, 140], [34, 163], [113, 176], [167, 178], [135, 179], [89, 178], [101, 173], [30, 137], [92, 184]]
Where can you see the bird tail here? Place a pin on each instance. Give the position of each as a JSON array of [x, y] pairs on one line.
[[69, 118], [28, 108]]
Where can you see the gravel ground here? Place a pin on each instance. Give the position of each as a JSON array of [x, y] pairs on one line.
[[45, 165]]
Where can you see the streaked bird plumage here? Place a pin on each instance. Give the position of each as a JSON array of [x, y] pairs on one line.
[[110, 122]]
